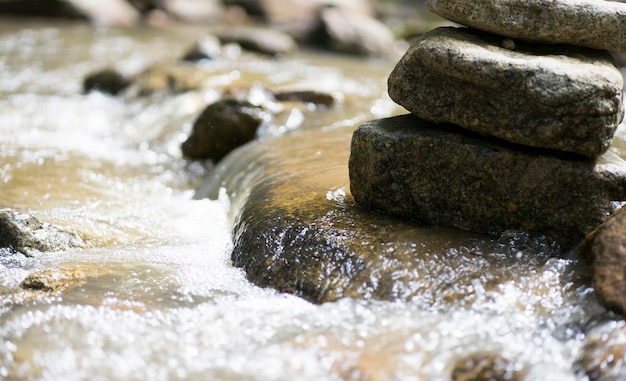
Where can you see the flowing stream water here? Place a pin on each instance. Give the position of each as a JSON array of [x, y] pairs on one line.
[[162, 301]]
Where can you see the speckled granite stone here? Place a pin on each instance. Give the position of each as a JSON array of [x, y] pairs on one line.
[[591, 23], [444, 175], [557, 97]]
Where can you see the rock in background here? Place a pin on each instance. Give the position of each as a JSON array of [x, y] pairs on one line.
[[355, 27]]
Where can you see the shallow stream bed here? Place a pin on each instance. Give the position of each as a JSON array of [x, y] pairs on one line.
[[161, 299]]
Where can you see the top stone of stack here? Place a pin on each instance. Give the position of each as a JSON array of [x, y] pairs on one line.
[[591, 23], [558, 97], [556, 87]]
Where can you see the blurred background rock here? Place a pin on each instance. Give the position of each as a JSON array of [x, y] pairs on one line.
[[404, 18]]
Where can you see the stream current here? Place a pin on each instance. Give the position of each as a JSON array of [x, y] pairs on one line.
[[164, 301]]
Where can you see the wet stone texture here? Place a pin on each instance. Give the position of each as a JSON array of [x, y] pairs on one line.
[[58, 279], [486, 367], [606, 247], [444, 175], [107, 81], [222, 127], [591, 23], [27, 235], [603, 356], [300, 232], [558, 97]]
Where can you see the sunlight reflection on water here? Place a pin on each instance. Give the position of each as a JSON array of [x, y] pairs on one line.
[[162, 300]]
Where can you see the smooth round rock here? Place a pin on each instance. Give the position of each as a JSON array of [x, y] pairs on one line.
[[221, 127]]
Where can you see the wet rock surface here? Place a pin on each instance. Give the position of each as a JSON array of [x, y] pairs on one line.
[[259, 40], [557, 97], [305, 96], [107, 81], [486, 367], [58, 279], [28, 235], [304, 235], [595, 24], [51, 8], [164, 78], [206, 48], [222, 127], [603, 356], [606, 247], [443, 175]]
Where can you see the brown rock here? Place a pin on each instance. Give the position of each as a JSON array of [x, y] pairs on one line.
[[299, 231], [606, 247], [603, 355], [445, 175], [485, 367], [306, 96], [259, 40], [107, 81], [206, 48], [169, 79], [591, 23], [222, 127], [56, 280], [556, 97], [342, 31]]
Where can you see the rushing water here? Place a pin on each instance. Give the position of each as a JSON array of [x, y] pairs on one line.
[[161, 299]]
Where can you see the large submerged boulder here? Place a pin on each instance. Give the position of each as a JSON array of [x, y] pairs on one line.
[[297, 229], [444, 175], [557, 97], [591, 23]]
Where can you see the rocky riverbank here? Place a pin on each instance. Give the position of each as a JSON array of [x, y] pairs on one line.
[[299, 229], [360, 27]]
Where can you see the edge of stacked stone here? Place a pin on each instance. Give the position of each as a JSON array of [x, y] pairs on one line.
[[591, 23]]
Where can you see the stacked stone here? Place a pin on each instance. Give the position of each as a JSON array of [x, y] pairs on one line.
[[511, 119]]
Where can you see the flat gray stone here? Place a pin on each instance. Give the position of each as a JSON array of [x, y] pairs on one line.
[[447, 176], [558, 97], [592, 23]]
